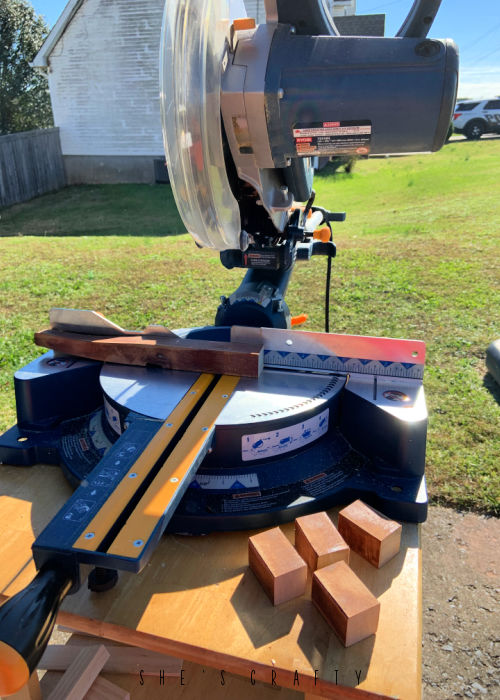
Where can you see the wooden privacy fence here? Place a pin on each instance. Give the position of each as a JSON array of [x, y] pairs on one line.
[[30, 164]]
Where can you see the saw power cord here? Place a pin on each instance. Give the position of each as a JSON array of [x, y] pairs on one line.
[[328, 284]]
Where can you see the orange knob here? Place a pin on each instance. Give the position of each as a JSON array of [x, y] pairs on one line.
[[243, 23], [299, 320], [322, 234]]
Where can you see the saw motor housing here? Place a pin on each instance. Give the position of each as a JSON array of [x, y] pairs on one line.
[[288, 97], [260, 104]]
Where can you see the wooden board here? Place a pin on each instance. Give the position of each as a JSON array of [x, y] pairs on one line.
[[80, 675], [102, 689], [162, 350], [197, 600], [196, 681], [58, 657]]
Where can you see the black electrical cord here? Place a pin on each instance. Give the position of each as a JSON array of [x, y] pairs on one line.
[[328, 284], [308, 206]]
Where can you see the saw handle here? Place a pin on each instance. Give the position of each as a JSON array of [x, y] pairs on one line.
[[26, 623]]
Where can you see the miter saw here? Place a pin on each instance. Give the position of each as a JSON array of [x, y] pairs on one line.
[[325, 418]]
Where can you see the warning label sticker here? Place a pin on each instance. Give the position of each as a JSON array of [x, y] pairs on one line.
[[333, 138]]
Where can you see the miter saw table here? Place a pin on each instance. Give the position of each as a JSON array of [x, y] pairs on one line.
[[321, 418], [329, 419]]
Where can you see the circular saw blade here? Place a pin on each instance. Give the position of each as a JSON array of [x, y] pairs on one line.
[[193, 49]]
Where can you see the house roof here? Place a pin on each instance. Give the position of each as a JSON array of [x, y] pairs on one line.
[[360, 25], [41, 59]]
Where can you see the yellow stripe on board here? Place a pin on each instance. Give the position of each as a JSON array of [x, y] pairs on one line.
[[140, 526], [113, 507]]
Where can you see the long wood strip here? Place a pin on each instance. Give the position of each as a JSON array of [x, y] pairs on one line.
[[58, 657], [113, 507], [152, 507], [238, 359]]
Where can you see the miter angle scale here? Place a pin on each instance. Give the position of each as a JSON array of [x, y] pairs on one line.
[[246, 423]]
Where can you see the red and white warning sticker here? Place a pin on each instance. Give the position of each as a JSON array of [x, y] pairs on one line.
[[333, 138]]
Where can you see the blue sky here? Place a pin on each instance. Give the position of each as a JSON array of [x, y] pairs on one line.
[[475, 26]]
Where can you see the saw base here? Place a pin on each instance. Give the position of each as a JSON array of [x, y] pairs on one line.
[[71, 411]]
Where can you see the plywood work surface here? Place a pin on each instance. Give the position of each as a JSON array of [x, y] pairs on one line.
[[198, 600]]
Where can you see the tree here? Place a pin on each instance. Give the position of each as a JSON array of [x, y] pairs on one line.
[[24, 94]]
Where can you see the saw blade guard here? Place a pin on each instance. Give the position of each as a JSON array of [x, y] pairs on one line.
[[193, 45]]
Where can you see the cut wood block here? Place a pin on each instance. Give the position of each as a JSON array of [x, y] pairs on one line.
[[369, 533], [59, 657], [79, 677], [161, 350], [345, 602], [318, 541], [281, 571], [103, 689]]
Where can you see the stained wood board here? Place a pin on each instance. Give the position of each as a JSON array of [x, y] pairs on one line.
[[162, 350], [197, 600], [196, 681]]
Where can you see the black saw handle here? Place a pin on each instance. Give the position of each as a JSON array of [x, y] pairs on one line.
[[26, 623]]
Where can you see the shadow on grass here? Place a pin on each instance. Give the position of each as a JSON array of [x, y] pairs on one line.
[[333, 171], [490, 384], [96, 210], [76, 234]]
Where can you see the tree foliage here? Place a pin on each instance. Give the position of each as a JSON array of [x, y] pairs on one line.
[[24, 95]]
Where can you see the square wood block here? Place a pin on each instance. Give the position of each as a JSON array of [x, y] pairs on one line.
[[369, 533], [280, 570], [318, 541], [345, 602]]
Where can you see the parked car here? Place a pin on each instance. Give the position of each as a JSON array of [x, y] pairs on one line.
[[473, 118]]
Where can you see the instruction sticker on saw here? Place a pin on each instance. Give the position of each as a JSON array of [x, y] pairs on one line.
[[276, 442], [351, 138]]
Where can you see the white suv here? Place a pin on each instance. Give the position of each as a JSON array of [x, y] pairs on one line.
[[475, 118]]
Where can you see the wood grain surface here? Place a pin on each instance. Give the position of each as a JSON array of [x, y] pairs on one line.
[[80, 675], [198, 600], [369, 533], [278, 567], [167, 351], [345, 602], [318, 541], [102, 689]]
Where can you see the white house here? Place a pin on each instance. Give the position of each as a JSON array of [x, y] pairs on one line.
[[338, 8], [343, 7], [102, 62]]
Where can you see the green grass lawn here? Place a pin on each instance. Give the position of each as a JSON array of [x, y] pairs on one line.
[[418, 257]]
